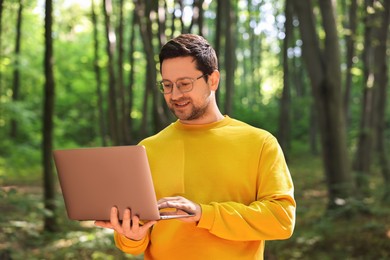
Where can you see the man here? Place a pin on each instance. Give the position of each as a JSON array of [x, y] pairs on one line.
[[231, 176]]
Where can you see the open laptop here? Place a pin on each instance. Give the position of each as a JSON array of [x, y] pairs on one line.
[[93, 180]]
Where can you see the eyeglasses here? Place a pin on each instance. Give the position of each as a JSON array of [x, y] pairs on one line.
[[183, 84]]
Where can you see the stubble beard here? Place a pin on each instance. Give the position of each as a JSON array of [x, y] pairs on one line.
[[195, 113]]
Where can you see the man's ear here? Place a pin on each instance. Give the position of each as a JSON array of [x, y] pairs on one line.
[[213, 80]]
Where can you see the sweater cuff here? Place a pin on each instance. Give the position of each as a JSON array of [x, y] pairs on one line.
[[129, 246], [207, 219]]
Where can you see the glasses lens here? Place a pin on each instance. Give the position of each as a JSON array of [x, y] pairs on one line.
[[185, 85], [166, 86]]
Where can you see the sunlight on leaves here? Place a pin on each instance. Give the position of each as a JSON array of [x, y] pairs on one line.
[[101, 256]]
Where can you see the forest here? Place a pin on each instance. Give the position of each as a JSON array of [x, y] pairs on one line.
[[314, 73]]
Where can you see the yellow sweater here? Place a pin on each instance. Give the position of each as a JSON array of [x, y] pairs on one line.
[[237, 173]]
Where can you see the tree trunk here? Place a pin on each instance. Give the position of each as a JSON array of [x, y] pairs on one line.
[[369, 117], [197, 18], [48, 110], [16, 76], [163, 38], [350, 39], [102, 124], [123, 115], [173, 25], [313, 130], [382, 85], [183, 26], [130, 90], [284, 114], [1, 51], [221, 16], [160, 119], [112, 97], [255, 53], [140, 12], [230, 57], [161, 14], [325, 75], [199, 4]]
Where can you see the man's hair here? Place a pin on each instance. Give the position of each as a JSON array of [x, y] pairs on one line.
[[191, 45]]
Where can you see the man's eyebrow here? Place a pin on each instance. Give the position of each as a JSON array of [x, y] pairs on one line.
[[187, 77]]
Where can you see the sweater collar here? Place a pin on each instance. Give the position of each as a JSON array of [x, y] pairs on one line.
[[226, 120]]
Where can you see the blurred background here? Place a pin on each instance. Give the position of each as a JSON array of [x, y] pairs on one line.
[[313, 73]]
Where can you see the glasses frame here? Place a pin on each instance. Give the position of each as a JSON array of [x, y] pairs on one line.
[[161, 87]]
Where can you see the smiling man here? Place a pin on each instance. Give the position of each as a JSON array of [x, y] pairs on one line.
[[190, 106], [230, 176]]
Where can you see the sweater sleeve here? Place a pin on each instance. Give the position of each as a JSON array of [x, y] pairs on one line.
[[271, 216], [130, 246]]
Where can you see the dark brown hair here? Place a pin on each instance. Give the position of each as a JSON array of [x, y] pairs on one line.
[[191, 45]]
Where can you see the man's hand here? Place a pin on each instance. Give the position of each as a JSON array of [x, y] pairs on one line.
[[182, 206], [129, 227]]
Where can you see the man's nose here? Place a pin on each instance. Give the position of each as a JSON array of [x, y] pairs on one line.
[[176, 92]]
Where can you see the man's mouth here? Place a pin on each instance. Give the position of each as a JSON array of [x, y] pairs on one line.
[[180, 104]]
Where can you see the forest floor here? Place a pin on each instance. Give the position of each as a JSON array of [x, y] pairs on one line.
[[365, 234]]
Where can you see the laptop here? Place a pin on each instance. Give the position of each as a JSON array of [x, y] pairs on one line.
[[93, 180]]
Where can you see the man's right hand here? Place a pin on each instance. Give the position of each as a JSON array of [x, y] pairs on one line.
[[130, 227]]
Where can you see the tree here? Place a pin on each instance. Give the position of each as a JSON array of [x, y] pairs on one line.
[[198, 16], [98, 78], [323, 67], [382, 81], [220, 39], [230, 61], [130, 88], [123, 115], [112, 92], [374, 95], [350, 38], [48, 110], [143, 10], [375, 75], [284, 114], [16, 73], [255, 47], [1, 30]]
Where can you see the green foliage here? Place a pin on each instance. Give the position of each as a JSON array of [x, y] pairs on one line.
[[319, 234], [259, 115], [363, 235], [21, 235], [323, 234], [19, 163]]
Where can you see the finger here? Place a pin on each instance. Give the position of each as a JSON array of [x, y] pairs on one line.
[[170, 204], [126, 220], [170, 213], [99, 223], [165, 199], [135, 223], [149, 224], [103, 224], [114, 219], [184, 206], [162, 205]]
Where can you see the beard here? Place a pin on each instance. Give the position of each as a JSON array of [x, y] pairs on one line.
[[192, 113]]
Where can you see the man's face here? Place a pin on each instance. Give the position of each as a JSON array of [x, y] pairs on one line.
[[189, 107]]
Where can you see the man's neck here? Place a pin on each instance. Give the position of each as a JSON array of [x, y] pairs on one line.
[[215, 117]]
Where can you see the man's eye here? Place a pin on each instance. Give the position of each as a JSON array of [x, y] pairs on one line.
[[167, 85], [184, 83]]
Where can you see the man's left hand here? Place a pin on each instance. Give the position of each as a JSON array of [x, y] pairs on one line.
[[182, 206]]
